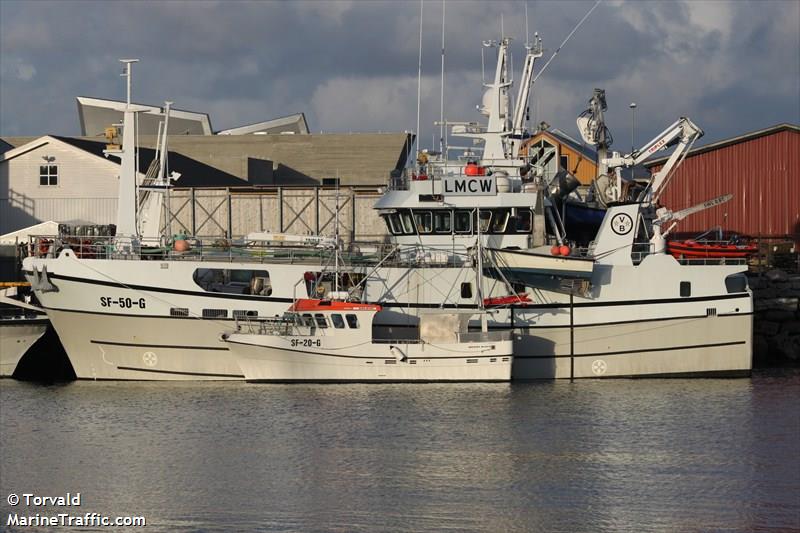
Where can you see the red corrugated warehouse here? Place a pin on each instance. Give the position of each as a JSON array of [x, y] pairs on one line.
[[762, 171]]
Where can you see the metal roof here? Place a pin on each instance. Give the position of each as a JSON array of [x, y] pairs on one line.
[[289, 124], [785, 126], [561, 136], [193, 173]]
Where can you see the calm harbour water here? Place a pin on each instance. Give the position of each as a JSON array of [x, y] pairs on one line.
[[612, 455]]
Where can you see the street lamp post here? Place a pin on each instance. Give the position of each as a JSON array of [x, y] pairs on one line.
[[633, 126]]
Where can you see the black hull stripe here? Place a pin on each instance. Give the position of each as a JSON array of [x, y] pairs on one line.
[[637, 351], [248, 298], [621, 322], [175, 372], [167, 346], [502, 328], [371, 358]]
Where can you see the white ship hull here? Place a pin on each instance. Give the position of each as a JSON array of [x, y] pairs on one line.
[[16, 338], [268, 359], [635, 325]]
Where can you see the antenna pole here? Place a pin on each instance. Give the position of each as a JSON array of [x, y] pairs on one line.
[[527, 32], [419, 69], [128, 66], [441, 103]]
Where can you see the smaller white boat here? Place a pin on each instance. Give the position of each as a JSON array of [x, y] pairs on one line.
[[321, 340], [21, 325]]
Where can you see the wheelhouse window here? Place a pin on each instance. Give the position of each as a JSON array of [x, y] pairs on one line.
[[320, 319], [48, 175], [393, 221], [338, 321], [500, 221], [485, 218], [352, 321], [424, 220], [233, 281], [443, 221], [524, 221], [463, 222], [408, 224]]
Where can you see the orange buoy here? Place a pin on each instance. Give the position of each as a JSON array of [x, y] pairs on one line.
[[181, 245], [564, 249], [555, 250], [472, 169]]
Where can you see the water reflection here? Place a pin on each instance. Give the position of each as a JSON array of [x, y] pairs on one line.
[[592, 455]]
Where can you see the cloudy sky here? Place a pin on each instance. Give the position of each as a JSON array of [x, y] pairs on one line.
[[732, 67]]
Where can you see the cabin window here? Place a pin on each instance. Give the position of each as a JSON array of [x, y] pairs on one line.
[[500, 220], [179, 311], [215, 313], [394, 224], [239, 314], [485, 218], [308, 320], [338, 321], [736, 283], [352, 321], [424, 221], [320, 319], [463, 222], [48, 175], [442, 221], [466, 290], [408, 224], [233, 281], [686, 289], [523, 221], [564, 161]]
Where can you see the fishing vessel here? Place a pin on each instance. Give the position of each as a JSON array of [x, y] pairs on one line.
[[21, 325], [327, 340], [639, 312]]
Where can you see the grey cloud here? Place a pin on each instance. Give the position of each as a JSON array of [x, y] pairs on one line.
[[352, 65]]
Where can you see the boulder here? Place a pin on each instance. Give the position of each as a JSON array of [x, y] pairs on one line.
[[766, 328], [775, 315], [788, 345], [776, 275], [760, 348]]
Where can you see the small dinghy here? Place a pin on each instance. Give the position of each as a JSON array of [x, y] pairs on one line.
[[690, 249]]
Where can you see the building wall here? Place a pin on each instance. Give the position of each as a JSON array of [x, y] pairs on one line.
[[86, 189], [578, 165], [222, 213], [357, 159], [763, 174]]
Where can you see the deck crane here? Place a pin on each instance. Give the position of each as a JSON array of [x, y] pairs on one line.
[[664, 216], [682, 132], [593, 129]]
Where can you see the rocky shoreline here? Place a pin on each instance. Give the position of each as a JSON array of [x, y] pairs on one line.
[[776, 328]]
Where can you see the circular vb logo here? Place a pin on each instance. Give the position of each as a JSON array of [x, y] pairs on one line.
[[150, 359], [622, 224]]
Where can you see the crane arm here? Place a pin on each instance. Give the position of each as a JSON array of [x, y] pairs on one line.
[[683, 131]]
